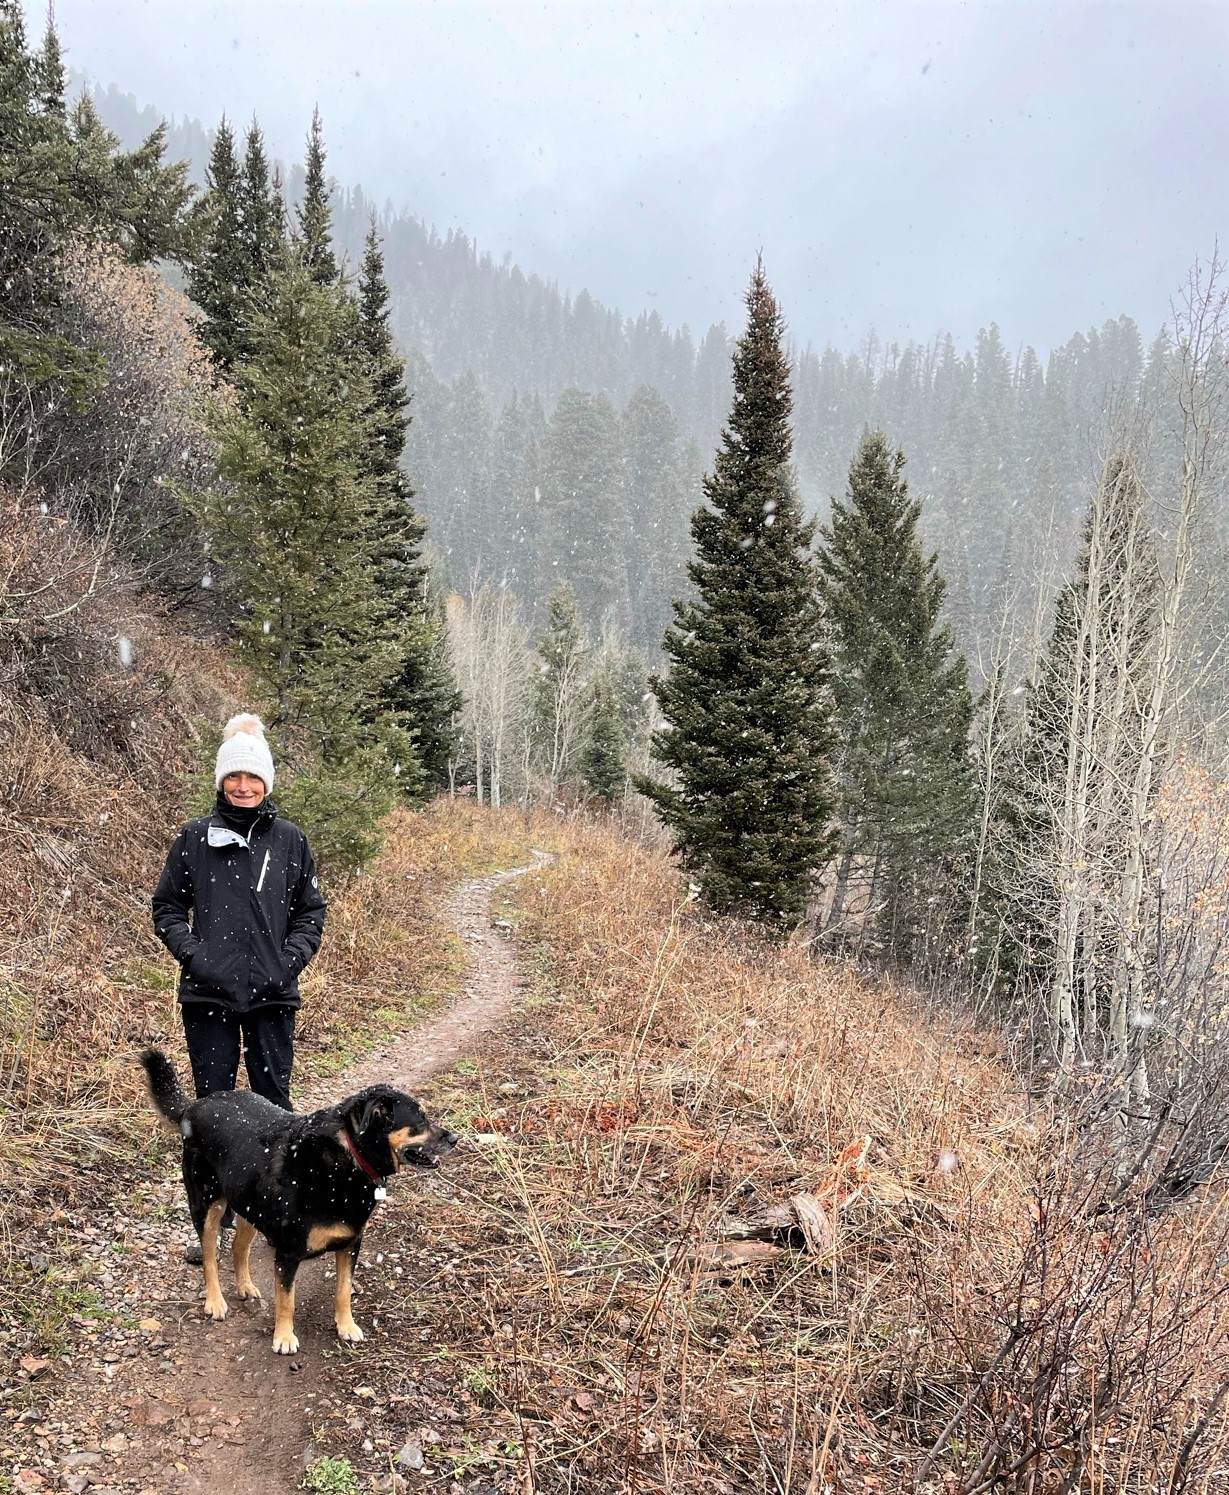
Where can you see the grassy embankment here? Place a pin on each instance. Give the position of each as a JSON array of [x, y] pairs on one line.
[[76, 1126], [566, 1308]]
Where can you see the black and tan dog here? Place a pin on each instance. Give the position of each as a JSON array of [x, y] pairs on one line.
[[308, 1183]]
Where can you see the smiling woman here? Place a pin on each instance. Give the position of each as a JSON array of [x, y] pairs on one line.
[[239, 907]]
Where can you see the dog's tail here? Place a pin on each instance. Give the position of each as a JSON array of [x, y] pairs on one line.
[[164, 1087]]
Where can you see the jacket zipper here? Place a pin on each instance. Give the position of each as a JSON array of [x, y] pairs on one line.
[[260, 882]]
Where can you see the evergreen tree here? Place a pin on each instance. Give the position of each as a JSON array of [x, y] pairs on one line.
[[219, 274], [315, 213], [261, 213], [558, 704], [423, 694], [746, 699], [51, 81], [658, 505], [292, 528], [602, 765], [582, 528], [903, 708], [62, 177]]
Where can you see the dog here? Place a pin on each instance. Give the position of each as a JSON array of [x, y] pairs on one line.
[[307, 1183]]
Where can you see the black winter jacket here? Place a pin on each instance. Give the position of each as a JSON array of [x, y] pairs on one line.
[[257, 914]]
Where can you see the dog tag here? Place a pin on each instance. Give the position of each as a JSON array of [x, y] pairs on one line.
[[380, 1192]]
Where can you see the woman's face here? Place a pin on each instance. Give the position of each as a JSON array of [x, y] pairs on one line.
[[246, 790]]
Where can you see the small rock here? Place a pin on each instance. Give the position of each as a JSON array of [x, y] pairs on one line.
[[154, 1414], [411, 1457]]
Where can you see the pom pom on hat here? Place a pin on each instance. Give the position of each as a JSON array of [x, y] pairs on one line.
[[244, 750]]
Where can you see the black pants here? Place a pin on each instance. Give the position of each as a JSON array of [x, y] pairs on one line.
[[213, 1035]]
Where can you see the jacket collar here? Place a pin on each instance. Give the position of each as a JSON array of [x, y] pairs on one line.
[[228, 828]]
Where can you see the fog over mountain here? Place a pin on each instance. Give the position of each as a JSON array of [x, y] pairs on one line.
[[906, 167]]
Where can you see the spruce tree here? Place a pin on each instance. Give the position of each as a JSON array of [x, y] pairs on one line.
[[292, 528], [602, 765], [423, 694], [903, 709], [658, 505], [219, 272], [747, 695], [315, 213], [261, 214], [558, 697], [583, 532]]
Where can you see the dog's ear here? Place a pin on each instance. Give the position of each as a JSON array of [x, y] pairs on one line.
[[364, 1113]]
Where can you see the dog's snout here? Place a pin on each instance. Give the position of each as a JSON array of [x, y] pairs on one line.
[[426, 1152]]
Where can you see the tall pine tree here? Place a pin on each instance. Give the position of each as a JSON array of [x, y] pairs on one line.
[[292, 528], [315, 212], [559, 698], [218, 274], [423, 694], [602, 764], [261, 212], [238, 232], [903, 710], [746, 698]]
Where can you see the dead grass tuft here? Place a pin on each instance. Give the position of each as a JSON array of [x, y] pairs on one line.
[[733, 1219]]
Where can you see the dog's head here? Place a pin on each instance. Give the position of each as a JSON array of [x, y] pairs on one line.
[[392, 1130]]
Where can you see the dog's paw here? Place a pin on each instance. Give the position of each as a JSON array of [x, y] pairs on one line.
[[285, 1344], [215, 1308], [248, 1290], [349, 1331]]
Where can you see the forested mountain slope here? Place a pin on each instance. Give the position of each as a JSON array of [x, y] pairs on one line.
[[523, 480]]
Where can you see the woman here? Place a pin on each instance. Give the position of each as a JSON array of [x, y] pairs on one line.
[[239, 907]]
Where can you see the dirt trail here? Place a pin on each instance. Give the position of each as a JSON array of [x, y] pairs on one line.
[[220, 1412]]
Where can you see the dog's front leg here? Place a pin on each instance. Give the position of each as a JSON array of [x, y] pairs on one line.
[[347, 1329], [241, 1252], [284, 1341], [215, 1303]]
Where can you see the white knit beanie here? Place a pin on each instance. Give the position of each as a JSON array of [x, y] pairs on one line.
[[244, 750]]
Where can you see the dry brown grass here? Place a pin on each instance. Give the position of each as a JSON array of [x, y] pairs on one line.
[[975, 1325], [98, 746]]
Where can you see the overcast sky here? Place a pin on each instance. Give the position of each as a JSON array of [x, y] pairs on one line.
[[903, 166]]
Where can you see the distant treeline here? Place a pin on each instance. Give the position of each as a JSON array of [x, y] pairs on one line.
[[540, 450]]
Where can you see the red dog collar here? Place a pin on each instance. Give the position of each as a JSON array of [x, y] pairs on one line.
[[377, 1178]]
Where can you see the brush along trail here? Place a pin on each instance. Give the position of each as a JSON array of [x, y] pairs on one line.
[[179, 1405]]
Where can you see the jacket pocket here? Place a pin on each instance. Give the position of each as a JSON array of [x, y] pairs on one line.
[[215, 972]]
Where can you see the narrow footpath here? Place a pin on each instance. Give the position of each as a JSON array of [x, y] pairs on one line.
[[185, 1406]]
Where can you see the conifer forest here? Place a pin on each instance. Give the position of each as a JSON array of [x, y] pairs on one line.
[[902, 661]]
